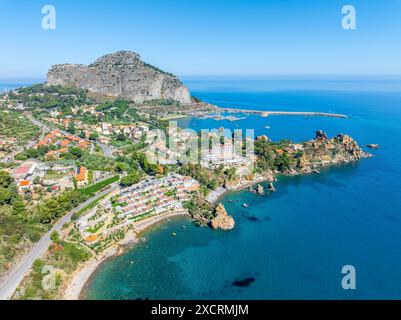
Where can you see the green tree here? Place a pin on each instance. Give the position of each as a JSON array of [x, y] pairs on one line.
[[283, 162], [121, 137], [71, 128], [129, 180], [75, 152], [32, 153], [93, 136], [55, 237], [38, 265], [5, 196], [5, 179], [19, 207]]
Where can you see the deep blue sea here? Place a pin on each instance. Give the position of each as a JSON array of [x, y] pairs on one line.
[[293, 242]]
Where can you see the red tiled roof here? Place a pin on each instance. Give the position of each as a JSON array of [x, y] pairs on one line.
[[81, 174], [65, 143]]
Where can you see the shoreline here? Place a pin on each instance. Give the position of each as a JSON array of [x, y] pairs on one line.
[[80, 278], [77, 282]]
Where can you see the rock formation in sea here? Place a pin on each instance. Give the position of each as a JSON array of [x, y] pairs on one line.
[[120, 75], [323, 151], [222, 220], [271, 187]]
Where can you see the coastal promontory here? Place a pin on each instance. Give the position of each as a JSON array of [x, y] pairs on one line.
[[120, 75]]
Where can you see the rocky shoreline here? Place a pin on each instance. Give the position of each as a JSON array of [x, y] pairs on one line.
[[78, 281], [317, 153], [320, 154]]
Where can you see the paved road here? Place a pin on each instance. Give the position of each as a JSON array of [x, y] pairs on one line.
[[8, 286], [10, 157], [107, 150]]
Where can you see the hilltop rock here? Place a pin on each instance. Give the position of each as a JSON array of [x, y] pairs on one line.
[[262, 138], [121, 75], [222, 220]]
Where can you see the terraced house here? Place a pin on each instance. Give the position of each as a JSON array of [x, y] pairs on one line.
[[155, 196]]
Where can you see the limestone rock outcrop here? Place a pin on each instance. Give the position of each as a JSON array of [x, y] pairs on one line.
[[323, 151], [222, 220], [121, 75]]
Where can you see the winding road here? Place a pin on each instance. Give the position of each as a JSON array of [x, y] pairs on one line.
[[10, 157], [14, 277]]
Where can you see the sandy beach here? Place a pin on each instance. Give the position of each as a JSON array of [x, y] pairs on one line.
[[81, 276]]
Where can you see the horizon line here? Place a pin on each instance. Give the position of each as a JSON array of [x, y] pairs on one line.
[[28, 80]]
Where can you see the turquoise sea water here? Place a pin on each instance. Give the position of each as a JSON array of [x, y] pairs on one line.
[[294, 242]]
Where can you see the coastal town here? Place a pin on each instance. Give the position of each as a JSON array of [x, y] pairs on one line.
[[78, 181]]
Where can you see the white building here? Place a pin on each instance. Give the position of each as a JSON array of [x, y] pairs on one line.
[[225, 155]]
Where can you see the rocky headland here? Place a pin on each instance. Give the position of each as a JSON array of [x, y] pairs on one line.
[[324, 151], [120, 75]]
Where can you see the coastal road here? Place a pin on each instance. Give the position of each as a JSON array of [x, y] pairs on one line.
[[8, 286]]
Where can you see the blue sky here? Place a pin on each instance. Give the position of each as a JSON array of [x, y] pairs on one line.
[[205, 37]]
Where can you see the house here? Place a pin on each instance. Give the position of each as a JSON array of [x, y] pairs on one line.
[[24, 185], [81, 176], [55, 188], [52, 155], [106, 128], [104, 140], [91, 239], [297, 147], [288, 149], [24, 171], [49, 138], [64, 143], [73, 138], [156, 196], [83, 144]]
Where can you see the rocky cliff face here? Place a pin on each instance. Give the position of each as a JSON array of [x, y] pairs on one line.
[[222, 220], [122, 75]]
